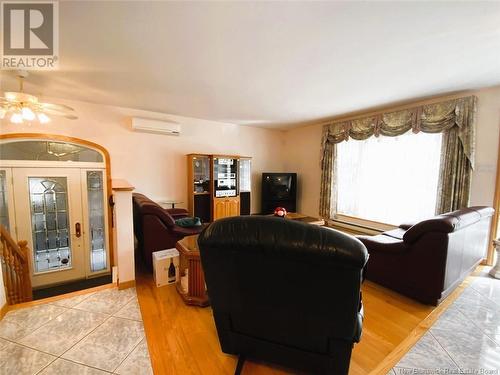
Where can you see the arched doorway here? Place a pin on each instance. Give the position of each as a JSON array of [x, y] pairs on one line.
[[54, 193]]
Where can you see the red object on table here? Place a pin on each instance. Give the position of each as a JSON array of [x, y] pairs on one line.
[[280, 212]]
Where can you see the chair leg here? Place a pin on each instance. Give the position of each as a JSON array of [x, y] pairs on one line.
[[239, 365]]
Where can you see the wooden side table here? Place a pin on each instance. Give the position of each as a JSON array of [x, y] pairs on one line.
[[189, 260]]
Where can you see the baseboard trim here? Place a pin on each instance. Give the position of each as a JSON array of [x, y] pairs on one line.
[[61, 296], [3, 310], [126, 284]]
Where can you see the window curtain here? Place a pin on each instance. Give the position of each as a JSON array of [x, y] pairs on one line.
[[454, 118], [328, 192]]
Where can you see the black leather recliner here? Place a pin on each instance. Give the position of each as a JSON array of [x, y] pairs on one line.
[[284, 291]]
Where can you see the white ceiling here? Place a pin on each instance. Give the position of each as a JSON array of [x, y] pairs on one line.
[[274, 64]]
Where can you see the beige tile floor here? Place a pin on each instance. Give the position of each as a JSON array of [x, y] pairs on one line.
[[465, 339], [91, 334]]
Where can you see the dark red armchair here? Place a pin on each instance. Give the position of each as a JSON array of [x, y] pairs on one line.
[[155, 228]]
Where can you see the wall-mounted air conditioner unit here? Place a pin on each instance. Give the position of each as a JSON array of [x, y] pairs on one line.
[[155, 126]]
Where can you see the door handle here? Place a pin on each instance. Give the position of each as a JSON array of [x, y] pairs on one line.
[[78, 230]]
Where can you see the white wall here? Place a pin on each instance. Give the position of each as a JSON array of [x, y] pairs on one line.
[[156, 164], [304, 156], [487, 142]]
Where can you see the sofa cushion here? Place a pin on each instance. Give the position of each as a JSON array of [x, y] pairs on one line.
[[188, 222]]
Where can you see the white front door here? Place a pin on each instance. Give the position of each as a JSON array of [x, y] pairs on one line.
[[49, 215]]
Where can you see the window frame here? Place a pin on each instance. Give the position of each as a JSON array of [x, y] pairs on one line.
[[358, 223]]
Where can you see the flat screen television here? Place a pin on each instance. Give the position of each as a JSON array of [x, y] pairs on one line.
[[278, 190]]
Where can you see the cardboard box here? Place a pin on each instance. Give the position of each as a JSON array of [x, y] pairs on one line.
[[165, 267]]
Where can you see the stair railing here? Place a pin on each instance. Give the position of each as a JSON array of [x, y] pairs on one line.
[[16, 268]]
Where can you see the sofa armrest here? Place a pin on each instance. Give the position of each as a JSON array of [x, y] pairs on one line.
[[442, 224], [359, 322], [406, 226], [382, 243]]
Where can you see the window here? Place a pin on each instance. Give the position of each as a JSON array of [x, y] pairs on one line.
[[48, 150], [389, 179]]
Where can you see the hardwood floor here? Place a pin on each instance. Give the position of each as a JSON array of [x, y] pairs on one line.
[[183, 339]]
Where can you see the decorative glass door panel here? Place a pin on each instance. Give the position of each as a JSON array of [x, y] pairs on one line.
[[49, 222], [97, 219], [4, 210], [48, 204]]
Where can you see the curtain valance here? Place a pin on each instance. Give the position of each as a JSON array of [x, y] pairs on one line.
[[428, 118]]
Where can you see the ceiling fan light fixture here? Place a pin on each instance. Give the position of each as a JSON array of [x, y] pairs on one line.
[[43, 118], [27, 107], [28, 114], [16, 118]]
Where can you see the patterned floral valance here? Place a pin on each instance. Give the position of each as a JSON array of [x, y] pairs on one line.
[[429, 118]]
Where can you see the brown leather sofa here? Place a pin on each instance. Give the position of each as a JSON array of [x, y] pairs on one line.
[[428, 260], [155, 228]]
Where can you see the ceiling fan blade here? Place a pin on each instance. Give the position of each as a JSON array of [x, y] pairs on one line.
[[52, 112], [70, 117], [56, 107]]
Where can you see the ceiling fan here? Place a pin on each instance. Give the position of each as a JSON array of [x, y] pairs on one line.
[[22, 107]]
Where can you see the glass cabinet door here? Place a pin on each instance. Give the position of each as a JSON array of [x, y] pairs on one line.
[[201, 174], [245, 174], [225, 177]]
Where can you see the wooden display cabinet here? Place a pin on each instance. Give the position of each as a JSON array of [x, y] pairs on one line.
[[214, 185], [225, 207]]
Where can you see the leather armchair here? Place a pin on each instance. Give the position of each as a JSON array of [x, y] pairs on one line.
[[284, 291], [155, 228], [428, 260]]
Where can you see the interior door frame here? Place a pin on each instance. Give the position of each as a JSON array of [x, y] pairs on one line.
[[88, 144], [78, 269], [496, 216]]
